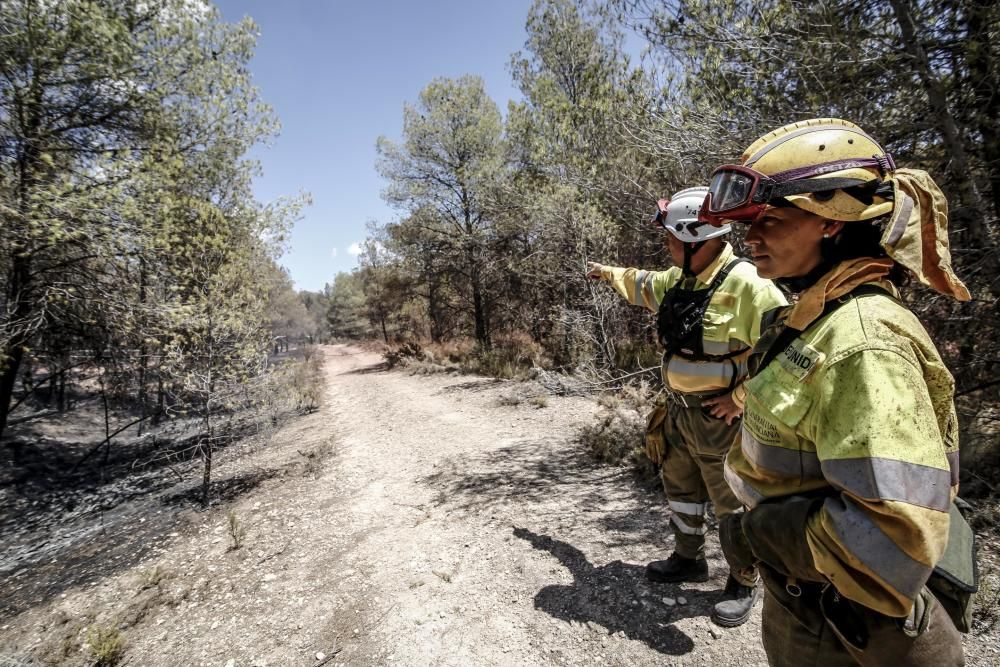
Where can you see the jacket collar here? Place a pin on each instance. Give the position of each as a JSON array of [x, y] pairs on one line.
[[708, 274]]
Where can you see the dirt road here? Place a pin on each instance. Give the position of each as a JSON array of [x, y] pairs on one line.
[[469, 532], [413, 520]]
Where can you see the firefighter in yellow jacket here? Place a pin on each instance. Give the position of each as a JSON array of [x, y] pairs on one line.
[[848, 456], [709, 308]]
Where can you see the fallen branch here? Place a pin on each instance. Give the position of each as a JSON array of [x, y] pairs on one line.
[[622, 377], [988, 484], [980, 387], [106, 440]]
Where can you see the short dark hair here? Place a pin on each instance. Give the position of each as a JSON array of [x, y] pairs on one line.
[[861, 239]]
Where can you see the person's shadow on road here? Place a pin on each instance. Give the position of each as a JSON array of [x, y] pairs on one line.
[[618, 597]]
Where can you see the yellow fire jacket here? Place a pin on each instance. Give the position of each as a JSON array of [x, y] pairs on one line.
[[858, 411], [731, 322]]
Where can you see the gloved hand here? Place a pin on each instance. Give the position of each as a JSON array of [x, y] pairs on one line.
[[655, 448], [777, 533], [656, 443], [734, 543]]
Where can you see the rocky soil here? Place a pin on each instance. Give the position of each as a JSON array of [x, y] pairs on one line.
[[412, 520]]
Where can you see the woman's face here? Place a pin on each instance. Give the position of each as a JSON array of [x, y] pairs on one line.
[[785, 242]]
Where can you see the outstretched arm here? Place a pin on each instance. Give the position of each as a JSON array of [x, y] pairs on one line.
[[639, 287]]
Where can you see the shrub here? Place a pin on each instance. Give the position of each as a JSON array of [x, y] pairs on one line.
[[619, 433], [617, 436], [540, 401], [237, 531], [986, 610], [402, 353], [512, 356], [307, 382], [106, 645], [315, 457], [152, 576], [634, 354]]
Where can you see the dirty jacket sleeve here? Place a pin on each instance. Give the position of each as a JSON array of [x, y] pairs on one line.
[[641, 287]]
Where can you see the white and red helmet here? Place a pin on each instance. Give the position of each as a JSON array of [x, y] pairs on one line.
[[679, 216]]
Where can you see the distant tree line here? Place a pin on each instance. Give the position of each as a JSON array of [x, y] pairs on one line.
[[500, 212]]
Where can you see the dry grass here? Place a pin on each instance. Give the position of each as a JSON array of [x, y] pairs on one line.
[[307, 380], [618, 435], [152, 577], [512, 397], [539, 401], [986, 610], [315, 458], [512, 356], [237, 531], [105, 644]]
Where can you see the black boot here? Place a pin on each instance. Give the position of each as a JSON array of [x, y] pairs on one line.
[[676, 569], [733, 608]]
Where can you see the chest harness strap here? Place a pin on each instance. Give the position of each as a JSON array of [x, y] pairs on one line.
[[781, 340], [680, 321]]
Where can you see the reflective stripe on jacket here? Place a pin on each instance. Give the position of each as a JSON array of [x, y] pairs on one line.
[[859, 409], [731, 322]]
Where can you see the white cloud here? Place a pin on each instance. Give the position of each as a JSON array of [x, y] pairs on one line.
[[355, 249], [333, 251]]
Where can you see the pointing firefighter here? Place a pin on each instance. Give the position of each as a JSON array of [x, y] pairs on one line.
[[848, 455], [709, 308]]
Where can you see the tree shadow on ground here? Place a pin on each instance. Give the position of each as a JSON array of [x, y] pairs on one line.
[[529, 472], [617, 597], [371, 369], [472, 386], [224, 490], [115, 538]]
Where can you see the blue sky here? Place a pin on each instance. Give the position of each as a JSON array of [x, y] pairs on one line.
[[338, 73]]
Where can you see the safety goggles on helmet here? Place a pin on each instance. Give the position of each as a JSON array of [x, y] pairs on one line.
[[660, 215], [679, 216], [740, 194], [682, 229]]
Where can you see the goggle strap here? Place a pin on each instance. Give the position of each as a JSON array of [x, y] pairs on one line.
[[883, 163], [867, 192], [807, 186]]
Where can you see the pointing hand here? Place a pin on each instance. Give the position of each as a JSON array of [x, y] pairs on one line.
[[594, 270]]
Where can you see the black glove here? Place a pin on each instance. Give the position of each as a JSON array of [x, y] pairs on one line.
[[775, 532], [735, 545]]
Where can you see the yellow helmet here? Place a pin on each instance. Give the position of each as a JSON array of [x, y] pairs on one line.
[[826, 148]]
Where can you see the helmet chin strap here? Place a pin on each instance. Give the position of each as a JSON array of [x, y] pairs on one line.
[[690, 249], [802, 283]]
